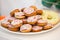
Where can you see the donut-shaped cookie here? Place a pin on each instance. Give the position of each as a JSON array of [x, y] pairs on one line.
[[26, 28], [19, 15], [41, 22], [32, 20], [29, 11], [48, 26], [10, 19], [5, 24], [50, 16], [13, 12], [13, 28], [16, 23], [37, 28]]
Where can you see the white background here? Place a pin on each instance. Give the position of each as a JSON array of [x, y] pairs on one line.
[[7, 5]]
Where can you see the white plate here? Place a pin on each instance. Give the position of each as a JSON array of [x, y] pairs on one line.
[[30, 32]]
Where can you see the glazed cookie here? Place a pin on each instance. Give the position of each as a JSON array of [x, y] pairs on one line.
[[26, 28], [16, 23], [13, 12], [10, 19], [41, 22], [5, 24], [48, 26], [13, 28], [29, 11], [37, 28], [19, 15], [32, 20]]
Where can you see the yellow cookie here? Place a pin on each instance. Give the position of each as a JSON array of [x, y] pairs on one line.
[[50, 16]]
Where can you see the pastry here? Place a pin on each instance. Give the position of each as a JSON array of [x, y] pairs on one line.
[[19, 15], [5, 24], [29, 11], [41, 22], [32, 20], [48, 26], [16, 23], [26, 28], [37, 28], [10, 19], [13, 12], [13, 28]]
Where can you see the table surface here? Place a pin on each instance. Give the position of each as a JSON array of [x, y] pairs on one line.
[[52, 35]]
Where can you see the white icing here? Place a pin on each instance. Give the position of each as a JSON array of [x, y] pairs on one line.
[[5, 22], [19, 14], [28, 10], [25, 26], [14, 22], [42, 21], [31, 19]]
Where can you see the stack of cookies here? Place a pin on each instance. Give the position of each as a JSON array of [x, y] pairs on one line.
[[30, 19]]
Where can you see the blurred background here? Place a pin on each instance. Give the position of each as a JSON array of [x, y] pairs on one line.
[[7, 5]]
